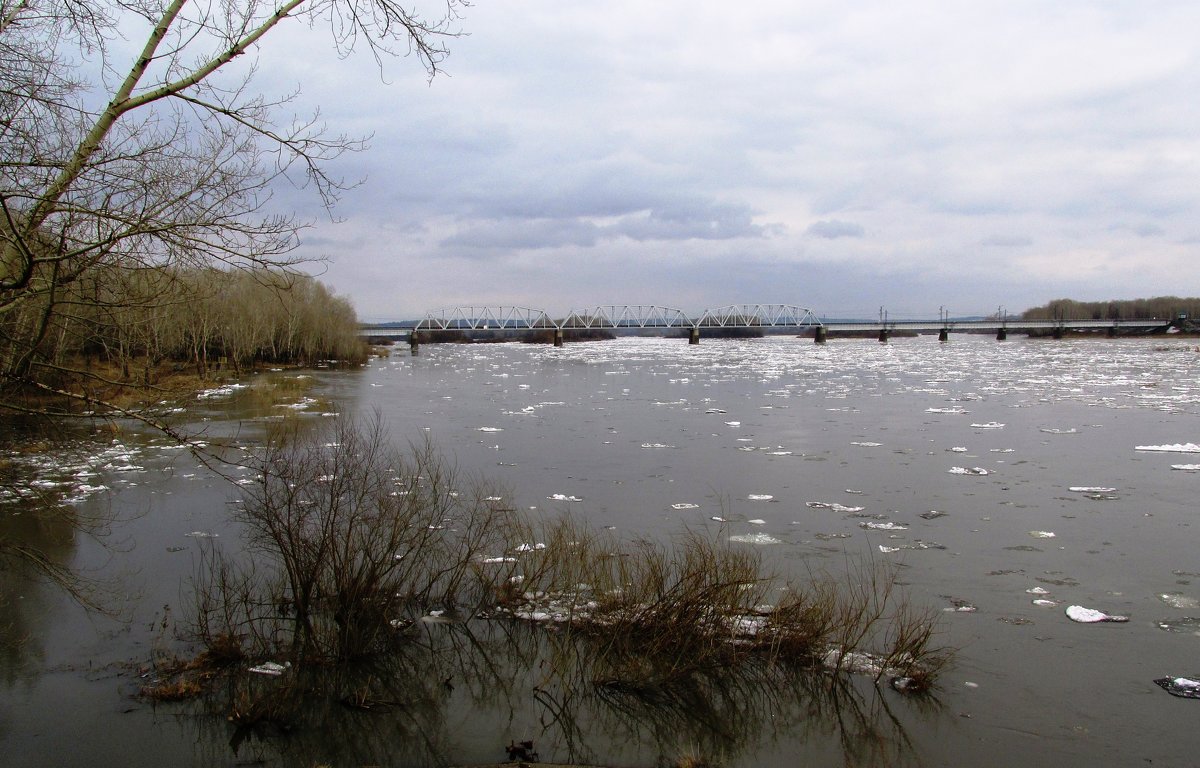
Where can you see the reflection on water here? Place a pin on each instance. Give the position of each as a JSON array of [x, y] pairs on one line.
[[422, 704]]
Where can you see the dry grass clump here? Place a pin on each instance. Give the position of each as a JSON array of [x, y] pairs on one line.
[[659, 612]]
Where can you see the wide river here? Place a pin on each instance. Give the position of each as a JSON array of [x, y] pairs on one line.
[[1061, 470]]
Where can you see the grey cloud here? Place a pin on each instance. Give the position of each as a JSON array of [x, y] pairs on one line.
[[1007, 241], [832, 229], [524, 234]]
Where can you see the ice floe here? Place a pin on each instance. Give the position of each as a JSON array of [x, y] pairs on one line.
[[760, 497], [1184, 687], [945, 410], [1091, 489], [685, 505], [563, 497], [1170, 448], [1056, 431], [863, 444], [1187, 467], [757, 521], [1091, 615], [1182, 602], [490, 429], [988, 425], [883, 526], [270, 668], [967, 471], [755, 538], [1043, 534], [833, 506]]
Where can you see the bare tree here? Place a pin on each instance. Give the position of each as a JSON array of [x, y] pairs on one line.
[[168, 160]]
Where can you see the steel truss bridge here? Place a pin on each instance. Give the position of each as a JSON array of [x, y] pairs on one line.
[[733, 316]]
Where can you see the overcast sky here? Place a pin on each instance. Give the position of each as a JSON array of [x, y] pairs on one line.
[[837, 155]]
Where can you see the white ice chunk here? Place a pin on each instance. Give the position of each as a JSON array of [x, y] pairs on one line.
[[1170, 448], [1091, 615]]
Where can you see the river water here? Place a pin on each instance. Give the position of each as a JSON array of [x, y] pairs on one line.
[[1028, 449]]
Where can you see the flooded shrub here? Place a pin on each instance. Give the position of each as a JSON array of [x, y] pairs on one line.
[[347, 541], [657, 613]]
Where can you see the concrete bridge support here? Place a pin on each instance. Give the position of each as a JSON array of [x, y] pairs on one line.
[[558, 337], [944, 334], [883, 336], [1058, 332], [1112, 331], [821, 335], [694, 335], [414, 342], [1002, 334]]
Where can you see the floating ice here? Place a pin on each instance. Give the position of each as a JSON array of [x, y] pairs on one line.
[[757, 521], [888, 550], [1043, 534], [1056, 431], [760, 497], [1176, 600], [932, 514], [958, 449], [201, 535], [718, 519], [733, 423], [224, 391], [1170, 448], [685, 505], [1042, 602], [945, 410], [883, 526], [490, 429], [1187, 624], [966, 471], [1091, 615], [866, 444], [715, 410], [833, 506], [1184, 687], [562, 497], [988, 425], [1091, 489], [529, 547], [755, 538], [1187, 467], [1038, 591], [270, 668], [660, 445]]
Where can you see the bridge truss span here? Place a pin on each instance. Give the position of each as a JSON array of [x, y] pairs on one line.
[[758, 316], [625, 316], [485, 318]]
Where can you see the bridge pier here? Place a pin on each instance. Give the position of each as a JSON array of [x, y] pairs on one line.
[[944, 334], [821, 335], [414, 342], [694, 335], [1058, 331], [1112, 331], [558, 337], [1002, 334], [883, 336]]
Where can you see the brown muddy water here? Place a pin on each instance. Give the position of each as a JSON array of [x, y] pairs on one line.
[[1063, 473]]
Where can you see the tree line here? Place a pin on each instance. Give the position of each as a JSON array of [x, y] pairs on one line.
[[129, 327], [1160, 307]]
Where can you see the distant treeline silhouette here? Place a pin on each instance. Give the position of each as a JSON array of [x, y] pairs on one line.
[[1161, 307]]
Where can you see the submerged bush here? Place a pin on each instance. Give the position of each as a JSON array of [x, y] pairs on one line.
[[347, 540], [658, 612]]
